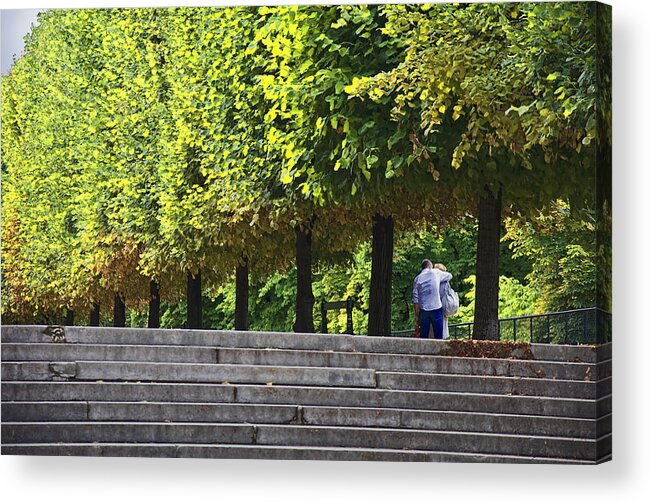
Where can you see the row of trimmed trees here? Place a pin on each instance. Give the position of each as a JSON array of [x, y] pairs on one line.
[[151, 152]]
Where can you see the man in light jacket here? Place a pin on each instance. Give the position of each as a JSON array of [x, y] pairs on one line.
[[427, 300]]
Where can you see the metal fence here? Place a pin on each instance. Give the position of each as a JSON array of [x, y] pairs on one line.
[[348, 304], [571, 327]]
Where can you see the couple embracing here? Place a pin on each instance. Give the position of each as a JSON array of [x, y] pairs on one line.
[[434, 300]]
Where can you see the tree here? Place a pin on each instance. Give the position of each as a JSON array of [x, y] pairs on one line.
[[519, 78], [176, 175], [122, 146], [220, 204], [207, 143], [344, 152], [106, 105], [40, 130]]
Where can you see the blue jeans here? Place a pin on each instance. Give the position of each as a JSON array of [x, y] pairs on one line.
[[433, 317]]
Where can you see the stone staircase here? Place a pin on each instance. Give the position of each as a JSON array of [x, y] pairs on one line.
[[225, 394]]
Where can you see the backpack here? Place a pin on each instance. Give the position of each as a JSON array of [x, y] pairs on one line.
[[449, 300]]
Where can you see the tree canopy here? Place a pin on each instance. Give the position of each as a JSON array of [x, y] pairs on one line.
[[519, 79], [143, 144]]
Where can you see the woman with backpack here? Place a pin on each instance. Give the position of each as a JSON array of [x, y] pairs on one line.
[[449, 301]]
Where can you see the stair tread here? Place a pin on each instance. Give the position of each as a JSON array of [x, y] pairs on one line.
[[249, 386], [243, 448], [311, 406], [72, 345], [257, 339], [266, 367], [333, 428]]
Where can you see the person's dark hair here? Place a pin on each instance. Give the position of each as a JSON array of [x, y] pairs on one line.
[[425, 264]]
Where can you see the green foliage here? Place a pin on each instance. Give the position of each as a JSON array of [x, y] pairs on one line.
[[517, 80], [561, 247], [40, 131], [140, 144], [337, 149], [515, 299]]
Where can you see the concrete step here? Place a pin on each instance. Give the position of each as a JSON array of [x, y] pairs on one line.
[[232, 451], [148, 412], [305, 396], [134, 371], [202, 373], [119, 392], [298, 435], [228, 394], [489, 385], [456, 421], [539, 446], [250, 339], [125, 432], [328, 376], [414, 363], [62, 352], [427, 400], [306, 415]]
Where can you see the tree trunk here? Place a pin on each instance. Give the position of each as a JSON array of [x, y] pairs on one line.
[[119, 312], [153, 320], [94, 315], [379, 309], [304, 296], [70, 317], [486, 323], [194, 301], [242, 296]]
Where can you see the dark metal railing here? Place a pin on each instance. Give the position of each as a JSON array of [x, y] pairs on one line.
[[570, 327], [346, 304]]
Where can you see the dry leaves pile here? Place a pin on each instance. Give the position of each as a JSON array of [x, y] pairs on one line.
[[488, 349]]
